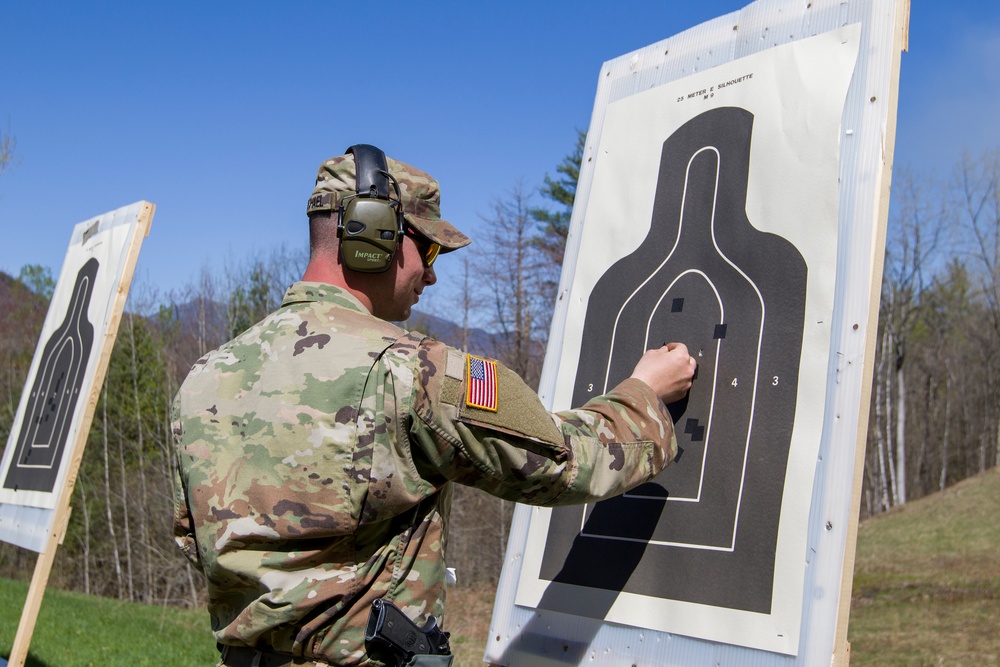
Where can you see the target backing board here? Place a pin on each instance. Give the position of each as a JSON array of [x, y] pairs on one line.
[[67, 370], [712, 210]]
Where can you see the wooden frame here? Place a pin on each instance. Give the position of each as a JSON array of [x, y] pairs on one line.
[[53, 521], [866, 158]]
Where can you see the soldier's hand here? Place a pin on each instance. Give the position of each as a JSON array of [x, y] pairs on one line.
[[667, 370]]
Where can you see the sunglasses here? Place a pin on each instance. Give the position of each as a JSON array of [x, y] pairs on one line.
[[429, 250]]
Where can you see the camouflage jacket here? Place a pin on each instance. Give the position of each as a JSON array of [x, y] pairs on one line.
[[314, 458]]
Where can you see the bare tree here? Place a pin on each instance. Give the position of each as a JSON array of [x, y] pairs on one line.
[[979, 188], [944, 346], [920, 221], [881, 481], [513, 278], [8, 146], [508, 289], [939, 347]]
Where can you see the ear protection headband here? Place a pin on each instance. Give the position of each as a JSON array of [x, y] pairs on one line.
[[370, 227]]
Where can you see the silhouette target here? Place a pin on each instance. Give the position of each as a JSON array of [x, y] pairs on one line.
[[735, 296], [48, 417]]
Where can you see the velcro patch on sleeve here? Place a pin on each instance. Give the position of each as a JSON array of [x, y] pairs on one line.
[[455, 365], [481, 383], [518, 411]]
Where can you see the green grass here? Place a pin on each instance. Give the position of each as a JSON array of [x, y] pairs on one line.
[[927, 581], [82, 630], [926, 592], [76, 630]]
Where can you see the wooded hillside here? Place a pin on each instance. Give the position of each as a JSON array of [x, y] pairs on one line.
[[935, 416]]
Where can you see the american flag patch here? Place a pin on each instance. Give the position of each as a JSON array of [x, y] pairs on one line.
[[482, 383]]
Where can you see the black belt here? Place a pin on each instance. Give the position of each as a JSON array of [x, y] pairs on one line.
[[244, 656]]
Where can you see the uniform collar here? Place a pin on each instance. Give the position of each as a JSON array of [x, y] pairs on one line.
[[323, 293]]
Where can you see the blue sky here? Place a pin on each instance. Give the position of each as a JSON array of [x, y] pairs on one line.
[[220, 112]]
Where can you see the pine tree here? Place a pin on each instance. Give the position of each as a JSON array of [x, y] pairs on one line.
[[553, 225]]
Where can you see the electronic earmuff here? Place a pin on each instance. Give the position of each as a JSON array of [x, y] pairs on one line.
[[370, 225]]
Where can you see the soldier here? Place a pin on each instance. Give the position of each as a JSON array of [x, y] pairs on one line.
[[315, 451]]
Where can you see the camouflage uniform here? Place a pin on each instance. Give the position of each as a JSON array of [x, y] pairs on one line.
[[315, 453], [314, 456]]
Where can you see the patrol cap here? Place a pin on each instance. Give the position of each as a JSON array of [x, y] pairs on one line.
[[419, 191]]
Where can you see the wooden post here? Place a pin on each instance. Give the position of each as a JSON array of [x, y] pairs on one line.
[[841, 647]]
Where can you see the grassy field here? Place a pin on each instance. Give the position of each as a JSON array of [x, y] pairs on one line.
[[927, 581], [926, 592], [86, 631], [76, 630]]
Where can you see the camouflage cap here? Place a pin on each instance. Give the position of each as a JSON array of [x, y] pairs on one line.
[[419, 191]]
